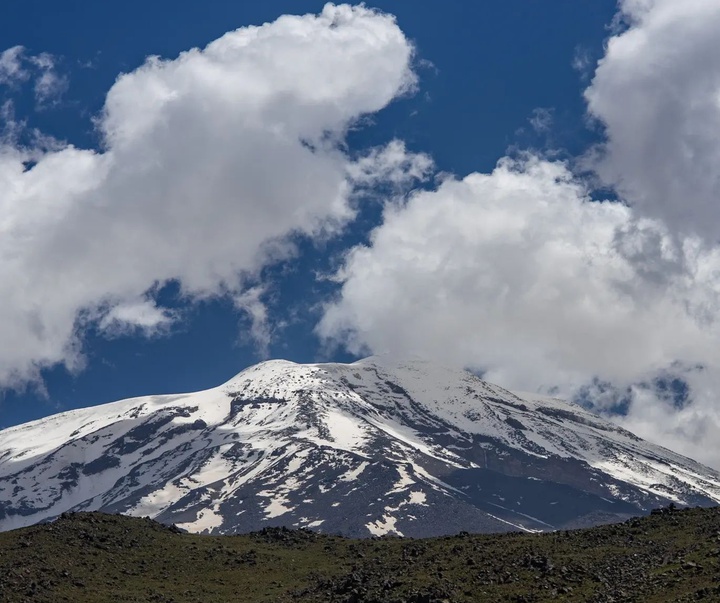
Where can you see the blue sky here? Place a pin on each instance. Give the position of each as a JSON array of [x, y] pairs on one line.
[[560, 270]]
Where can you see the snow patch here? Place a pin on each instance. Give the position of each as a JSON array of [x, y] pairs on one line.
[[383, 526]]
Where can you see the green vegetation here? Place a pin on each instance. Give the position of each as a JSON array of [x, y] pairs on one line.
[[673, 555]]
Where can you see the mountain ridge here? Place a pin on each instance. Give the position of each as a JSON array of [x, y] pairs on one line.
[[379, 446]]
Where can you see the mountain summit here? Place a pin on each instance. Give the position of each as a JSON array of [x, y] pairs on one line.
[[370, 448]]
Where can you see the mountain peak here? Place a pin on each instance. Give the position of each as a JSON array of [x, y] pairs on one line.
[[382, 445]]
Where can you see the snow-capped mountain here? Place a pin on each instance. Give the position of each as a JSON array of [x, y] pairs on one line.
[[369, 448]]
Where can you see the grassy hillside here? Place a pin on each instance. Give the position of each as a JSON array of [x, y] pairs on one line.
[[87, 557]]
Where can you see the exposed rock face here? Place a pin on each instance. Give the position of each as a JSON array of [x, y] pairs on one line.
[[369, 448]]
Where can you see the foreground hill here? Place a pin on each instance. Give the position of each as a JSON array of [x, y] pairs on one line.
[[96, 558], [370, 448]]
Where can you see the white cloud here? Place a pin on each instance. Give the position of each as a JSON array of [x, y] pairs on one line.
[[49, 84], [139, 315], [210, 160], [11, 69], [17, 66], [582, 62], [691, 430], [391, 164], [657, 91], [255, 309], [518, 273], [542, 120]]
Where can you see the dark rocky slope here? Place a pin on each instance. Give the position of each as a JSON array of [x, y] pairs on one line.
[[673, 555]]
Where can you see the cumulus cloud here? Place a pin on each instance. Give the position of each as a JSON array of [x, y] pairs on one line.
[[517, 273], [657, 92], [520, 274], [209, 161], [691, 428]]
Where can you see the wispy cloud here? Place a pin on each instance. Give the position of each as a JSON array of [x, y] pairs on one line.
[[11, 67], [17, 66], [49, 84], [131, 317], [542, 119]]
